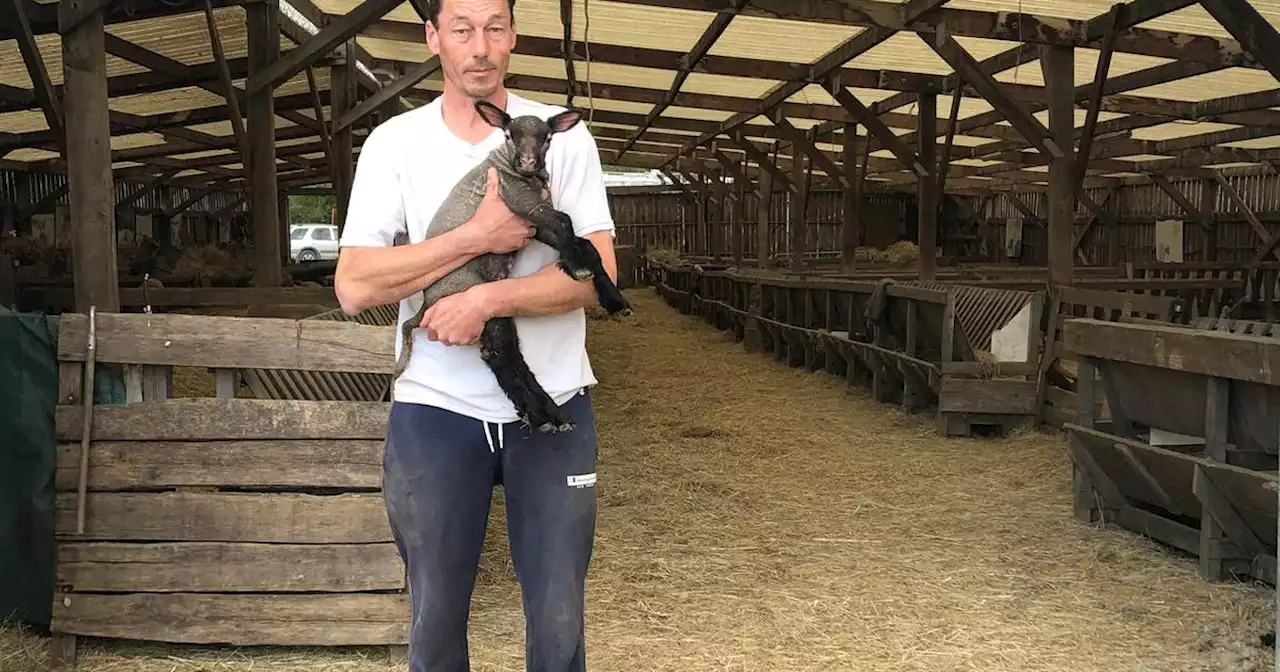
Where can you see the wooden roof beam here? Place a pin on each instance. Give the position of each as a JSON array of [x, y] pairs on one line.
[[1003, 25], [43, 16], [803, 143], [687, 63], [330, 36], [845, 52], [1017, 114], [1138, 11], [390, 90], [875, 126], [669, 59], [42, 88], [1251, 30]]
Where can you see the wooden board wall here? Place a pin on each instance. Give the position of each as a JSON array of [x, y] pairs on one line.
[[225, 519]]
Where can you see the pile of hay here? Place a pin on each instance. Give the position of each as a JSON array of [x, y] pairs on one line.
[[758, 517], [901, 253], [664, 255], [207, 264], [31, 251]]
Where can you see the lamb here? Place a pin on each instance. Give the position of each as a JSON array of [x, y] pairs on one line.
[[523, 179]]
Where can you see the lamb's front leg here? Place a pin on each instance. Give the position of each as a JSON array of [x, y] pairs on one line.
[[555, 228]]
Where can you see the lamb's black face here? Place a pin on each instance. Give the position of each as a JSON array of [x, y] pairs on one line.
[[531, 138], [529, 135]]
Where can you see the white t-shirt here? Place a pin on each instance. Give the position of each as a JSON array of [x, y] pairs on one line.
[[406, 168]]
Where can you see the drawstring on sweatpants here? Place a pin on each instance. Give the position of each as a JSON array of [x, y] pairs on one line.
[[489, 438]]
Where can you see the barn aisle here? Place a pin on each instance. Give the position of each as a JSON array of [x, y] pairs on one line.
[[754, 517]]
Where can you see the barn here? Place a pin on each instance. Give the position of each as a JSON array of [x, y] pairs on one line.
[[1007, 402]]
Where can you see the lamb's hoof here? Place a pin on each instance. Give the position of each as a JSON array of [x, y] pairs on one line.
[[579, 273], [552, 427], [617, 306]]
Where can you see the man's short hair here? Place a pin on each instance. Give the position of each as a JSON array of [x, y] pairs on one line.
[[429, 10]]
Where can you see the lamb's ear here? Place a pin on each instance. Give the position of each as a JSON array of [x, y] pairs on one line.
[[492, 114], [564, 121]]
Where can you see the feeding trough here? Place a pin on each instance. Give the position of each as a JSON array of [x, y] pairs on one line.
[[1212, 490]]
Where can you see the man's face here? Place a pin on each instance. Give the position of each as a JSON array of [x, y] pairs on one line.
[[474, 41]]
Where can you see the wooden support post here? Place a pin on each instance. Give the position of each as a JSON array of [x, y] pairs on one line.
[[722, 214], [764, 209], [927, 188], [1209, 206], [262, 20], [740, 214], [88, 134], [849, 231], [342, 97], [799, 230], [1058, 64], [282, 201]]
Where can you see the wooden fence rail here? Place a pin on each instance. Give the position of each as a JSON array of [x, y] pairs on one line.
[[908, 344]]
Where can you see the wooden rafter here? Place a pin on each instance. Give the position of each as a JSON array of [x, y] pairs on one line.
[[327, 39], [955, 55], [44, 93], [388, 91], [688, 62], [1254, 33]]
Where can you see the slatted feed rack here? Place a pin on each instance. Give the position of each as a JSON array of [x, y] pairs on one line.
[[1212, 494], [917, 353], [223, 520], [327, 385], [1252, 290], [1056, 399]]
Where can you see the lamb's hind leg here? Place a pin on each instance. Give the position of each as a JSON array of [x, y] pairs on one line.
[[500, 349]]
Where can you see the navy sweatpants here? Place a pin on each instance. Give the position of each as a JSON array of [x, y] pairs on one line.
[[438, 474]]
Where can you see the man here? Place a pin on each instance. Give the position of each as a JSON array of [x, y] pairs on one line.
[[452, 433]]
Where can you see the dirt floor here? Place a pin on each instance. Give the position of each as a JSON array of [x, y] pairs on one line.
[[755, 517]]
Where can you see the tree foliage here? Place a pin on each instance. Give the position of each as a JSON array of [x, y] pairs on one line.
[[311, 209]]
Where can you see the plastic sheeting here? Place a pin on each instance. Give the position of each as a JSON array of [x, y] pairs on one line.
[[28, 394]]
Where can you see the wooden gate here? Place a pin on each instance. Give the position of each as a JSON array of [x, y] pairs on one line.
[[226, 519]]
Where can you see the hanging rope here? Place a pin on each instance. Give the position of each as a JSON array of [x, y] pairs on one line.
[[570, 69]]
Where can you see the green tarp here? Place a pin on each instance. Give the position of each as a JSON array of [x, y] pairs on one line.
[[28, 393]]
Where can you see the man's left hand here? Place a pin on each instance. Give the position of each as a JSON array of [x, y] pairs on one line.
[[457, 319]]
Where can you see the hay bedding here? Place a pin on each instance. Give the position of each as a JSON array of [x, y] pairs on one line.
[[765, 519]]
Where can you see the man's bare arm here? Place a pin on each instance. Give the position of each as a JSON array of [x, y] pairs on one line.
[[375, 276], [549, 291]]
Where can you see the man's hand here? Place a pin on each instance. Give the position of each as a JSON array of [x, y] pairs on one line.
[[459, 318], [495, 228]]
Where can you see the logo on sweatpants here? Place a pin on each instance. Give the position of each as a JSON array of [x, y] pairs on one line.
[[582, 480]]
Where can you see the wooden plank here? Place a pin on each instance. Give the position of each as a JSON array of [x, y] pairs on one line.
[[973, 395], [284, 518], [230, 342], [228, 567], [1139, 304], [211, 419], [138, 465], [203, 297], [1241, 357], [237, 620]]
